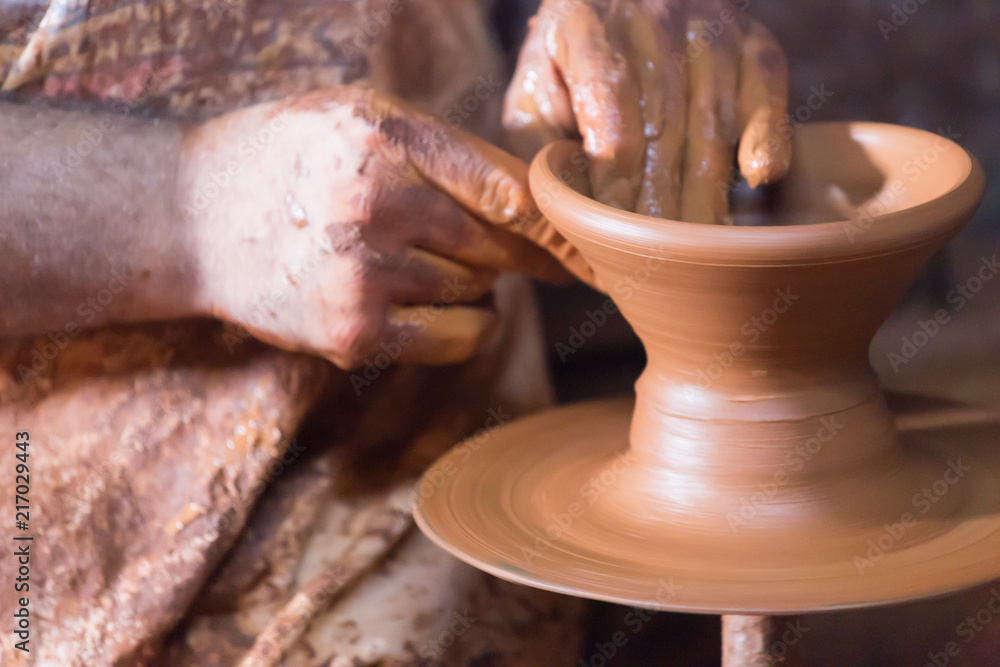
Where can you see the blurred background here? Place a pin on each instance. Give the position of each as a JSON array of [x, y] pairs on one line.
[[930, 64], [933, 64]]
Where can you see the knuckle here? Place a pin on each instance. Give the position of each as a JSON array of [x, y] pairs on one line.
[[365, 201], [354, 320], [500, 195], [355, 341], [362, 97]]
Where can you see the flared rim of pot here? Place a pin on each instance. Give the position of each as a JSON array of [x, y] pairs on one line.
[[955, 179]]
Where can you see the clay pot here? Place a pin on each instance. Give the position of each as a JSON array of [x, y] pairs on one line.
[[759, 469], [757, 337]]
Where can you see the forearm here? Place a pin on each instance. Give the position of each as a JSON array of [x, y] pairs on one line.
[[90, 233]]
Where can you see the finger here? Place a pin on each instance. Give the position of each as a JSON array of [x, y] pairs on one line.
[[538, 229], [537, 109], [423, 277], [489, 182], [441, 225], [551, 96], [478, 244], [766, 146], [662, 102], [508, 251], [605, 95], [711, 123], [438, 335]]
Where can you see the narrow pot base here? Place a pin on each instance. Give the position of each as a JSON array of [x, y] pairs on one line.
[[555, 501]]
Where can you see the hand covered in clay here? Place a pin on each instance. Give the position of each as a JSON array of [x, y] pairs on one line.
[[661, 91], [343, 224]]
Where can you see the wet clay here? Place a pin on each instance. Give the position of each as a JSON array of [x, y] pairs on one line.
[[759, 468], [660, 95]]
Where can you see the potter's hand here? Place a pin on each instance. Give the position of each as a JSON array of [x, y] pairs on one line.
[[343, 224], [660, 91]]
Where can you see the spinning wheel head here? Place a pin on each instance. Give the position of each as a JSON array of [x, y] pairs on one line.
[[759, 458]]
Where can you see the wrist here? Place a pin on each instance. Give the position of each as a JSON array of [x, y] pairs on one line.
[[94, 238], [191, 211]]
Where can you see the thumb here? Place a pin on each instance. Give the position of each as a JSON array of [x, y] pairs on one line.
[[491, 183]]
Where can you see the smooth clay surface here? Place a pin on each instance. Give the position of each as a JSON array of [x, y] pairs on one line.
[[759, 468]]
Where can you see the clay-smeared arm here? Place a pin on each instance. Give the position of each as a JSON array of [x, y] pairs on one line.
[[341, 223], [89, 231]]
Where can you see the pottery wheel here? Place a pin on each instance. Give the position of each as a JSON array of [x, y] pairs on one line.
[[554, 501]]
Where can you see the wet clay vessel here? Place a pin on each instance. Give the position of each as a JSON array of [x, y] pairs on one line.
[[758, 469]]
